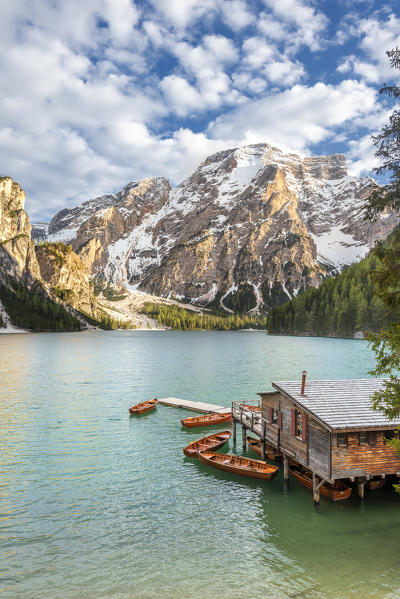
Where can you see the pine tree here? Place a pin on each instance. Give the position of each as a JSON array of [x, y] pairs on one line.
[[386, 344]]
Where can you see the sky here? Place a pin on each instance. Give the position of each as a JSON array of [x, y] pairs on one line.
[[97, 93]]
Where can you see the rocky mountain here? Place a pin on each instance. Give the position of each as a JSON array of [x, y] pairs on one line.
[[17, 251], [45, 280], [39, 231], [247, 230], [67, 277]]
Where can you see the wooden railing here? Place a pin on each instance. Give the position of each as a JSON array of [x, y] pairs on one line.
[[248, 418]]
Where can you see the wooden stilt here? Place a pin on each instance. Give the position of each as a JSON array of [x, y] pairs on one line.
[[286, 473], [263, 449], [360, 487], [316, 486], [234, 431], [244, 438]]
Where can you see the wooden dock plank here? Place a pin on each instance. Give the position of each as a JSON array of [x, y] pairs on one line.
[[196, 406]]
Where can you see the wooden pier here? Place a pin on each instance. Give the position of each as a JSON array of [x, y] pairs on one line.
[[196, 406]]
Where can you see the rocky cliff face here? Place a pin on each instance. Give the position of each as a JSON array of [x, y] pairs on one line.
[[247, 230], [52, 270], [67, 277], [17, 251]]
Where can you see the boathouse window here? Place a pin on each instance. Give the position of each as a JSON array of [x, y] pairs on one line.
[[363, 438], [342, 439], [299, 424], [273, 416]]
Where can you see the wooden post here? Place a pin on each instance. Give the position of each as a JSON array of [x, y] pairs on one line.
[[303, 381], [244, 438], [286, 473], [316, 487], [234, 430], [360, 486], [263, 449]]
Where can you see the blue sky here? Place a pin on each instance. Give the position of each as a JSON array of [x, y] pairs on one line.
[[98, 93]]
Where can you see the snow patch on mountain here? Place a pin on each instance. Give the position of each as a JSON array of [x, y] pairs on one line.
[[339, 248], [63, 235]]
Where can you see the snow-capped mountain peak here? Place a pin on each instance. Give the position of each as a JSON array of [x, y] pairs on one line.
[[249, 228]]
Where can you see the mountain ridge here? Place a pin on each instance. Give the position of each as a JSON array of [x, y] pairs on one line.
[[249, 222]]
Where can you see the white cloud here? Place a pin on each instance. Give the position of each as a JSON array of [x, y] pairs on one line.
[[204, 64], [284, 72], [237, 14], [257, 52], [308, 22], [362, 157], [379, 36], [256, 85], [272, 28], [215, 52], [55, 167], [182, 97], [375, 36], [222, 48], [134, 62], [298, 117], [180, 13], [72, 22], [264, 59], [156, 33], [241, 79], [122, 16]]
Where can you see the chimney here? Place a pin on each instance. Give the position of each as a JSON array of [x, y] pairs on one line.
[[303, 381]]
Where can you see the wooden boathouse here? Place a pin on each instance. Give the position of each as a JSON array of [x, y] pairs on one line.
[[328, 427]]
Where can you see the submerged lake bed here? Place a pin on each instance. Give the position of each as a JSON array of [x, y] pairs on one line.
[[95, 503]]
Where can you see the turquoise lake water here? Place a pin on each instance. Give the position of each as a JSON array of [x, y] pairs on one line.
[[97, 504]]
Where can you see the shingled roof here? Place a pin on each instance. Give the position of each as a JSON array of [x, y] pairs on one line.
[[340, 405]]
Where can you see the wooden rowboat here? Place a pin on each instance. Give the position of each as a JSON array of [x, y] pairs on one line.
[[270, 451], [143, 407], [207, 420], [251, 408], [337, 491], [238, 465], [376, 483], [214, 441]]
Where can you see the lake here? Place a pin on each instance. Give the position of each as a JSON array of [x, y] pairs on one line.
[[97, 504]]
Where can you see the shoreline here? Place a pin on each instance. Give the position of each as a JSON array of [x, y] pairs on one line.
[[354, 337]]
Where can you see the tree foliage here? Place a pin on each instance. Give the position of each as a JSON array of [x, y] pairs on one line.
[[387, 142], [386, 344], [34, 310], [341, 306], [182, 319], [58, 250]]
